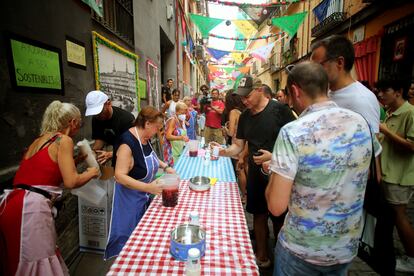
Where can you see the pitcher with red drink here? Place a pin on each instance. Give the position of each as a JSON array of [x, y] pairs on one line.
[[170, 191]]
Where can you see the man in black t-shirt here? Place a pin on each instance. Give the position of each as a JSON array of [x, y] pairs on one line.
[[108, 123], [166, 91], [259, 125]]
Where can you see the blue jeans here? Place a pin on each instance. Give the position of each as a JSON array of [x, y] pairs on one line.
[[287, 264]]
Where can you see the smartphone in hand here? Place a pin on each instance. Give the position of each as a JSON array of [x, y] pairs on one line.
[[257, 153]]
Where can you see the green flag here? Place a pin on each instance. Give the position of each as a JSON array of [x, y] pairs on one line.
[[291, 23], [205, 24], [228, 70], [236, 83], [96, 5], [240, 45]]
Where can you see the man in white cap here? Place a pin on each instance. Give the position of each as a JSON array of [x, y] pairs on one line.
[[108, 122]]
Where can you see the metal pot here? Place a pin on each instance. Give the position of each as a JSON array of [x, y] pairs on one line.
[[200, 183], [184, 237]]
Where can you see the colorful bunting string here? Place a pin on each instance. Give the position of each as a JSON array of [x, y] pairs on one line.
[[250, 5], [246, 39], [290, 23]]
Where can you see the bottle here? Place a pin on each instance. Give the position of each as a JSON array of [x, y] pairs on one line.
[[193, 266], [194, 219], [202, 142], [207, 158]]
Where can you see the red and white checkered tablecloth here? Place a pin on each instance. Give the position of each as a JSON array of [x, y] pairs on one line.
[[228, 246]]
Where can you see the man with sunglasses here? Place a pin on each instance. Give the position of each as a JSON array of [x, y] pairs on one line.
[[108, 123], [336, 55], [319, 169], [259, 125]]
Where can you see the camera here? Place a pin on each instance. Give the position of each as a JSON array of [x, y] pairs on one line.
[[206, 100], [257, 153]]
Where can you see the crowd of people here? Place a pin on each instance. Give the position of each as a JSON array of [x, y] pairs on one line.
[[303, 157]]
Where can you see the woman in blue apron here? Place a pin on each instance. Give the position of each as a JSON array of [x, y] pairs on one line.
[[136, 164]]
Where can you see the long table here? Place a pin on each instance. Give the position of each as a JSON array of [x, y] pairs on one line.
[[221, 169], [228, 246]]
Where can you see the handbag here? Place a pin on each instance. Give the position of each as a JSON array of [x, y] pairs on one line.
[[376, 245]]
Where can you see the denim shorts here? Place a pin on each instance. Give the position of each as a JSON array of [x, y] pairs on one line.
[[287, 264]]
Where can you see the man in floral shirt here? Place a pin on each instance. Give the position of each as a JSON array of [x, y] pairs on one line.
[[319, 169]]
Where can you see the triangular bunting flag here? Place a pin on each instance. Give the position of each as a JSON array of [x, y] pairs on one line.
[[238, 57], [237, 82], [96, 5], [212, 68], [217, 54], [245, 27], [263, 53], [228, 70], [244, 70], [291, 23], [205, 24], [240, 45]]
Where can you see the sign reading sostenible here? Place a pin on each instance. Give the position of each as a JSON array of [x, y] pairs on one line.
[[35, 66]]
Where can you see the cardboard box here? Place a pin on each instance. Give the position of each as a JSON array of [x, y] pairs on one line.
[[94, 220]]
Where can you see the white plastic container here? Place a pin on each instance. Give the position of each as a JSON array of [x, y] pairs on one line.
[[194, 218], [193, 266]]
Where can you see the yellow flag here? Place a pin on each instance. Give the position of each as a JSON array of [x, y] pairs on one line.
[[238, 57], [245, 27]]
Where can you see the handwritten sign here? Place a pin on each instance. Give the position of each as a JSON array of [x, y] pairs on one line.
[[35, 66], [75, 53]]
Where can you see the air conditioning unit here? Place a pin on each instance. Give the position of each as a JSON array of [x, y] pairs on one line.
[[199, 52]]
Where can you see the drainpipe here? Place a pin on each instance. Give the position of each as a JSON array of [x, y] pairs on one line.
[[177, 44]]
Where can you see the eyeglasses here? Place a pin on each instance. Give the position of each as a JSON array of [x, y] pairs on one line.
[[326, 60], [289, 68]]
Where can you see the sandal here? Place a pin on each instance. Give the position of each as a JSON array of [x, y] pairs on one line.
[[263, 264]]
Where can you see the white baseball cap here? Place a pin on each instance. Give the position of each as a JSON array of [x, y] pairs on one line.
[[95, 101]]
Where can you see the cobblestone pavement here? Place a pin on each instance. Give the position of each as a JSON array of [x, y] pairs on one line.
[[358, 267]]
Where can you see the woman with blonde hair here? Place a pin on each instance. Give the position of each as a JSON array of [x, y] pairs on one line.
[[175, 134], [27, 230]]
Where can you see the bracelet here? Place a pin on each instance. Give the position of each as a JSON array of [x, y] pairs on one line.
[[166, 168]]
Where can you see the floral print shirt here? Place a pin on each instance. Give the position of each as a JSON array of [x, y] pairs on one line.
[[327, 153]]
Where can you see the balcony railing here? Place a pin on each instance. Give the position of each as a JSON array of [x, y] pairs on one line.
[[328, 14]]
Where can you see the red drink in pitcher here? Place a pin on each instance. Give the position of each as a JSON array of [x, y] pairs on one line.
[[193, 153], [170, 197]]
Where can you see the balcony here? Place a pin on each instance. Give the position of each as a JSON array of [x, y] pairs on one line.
[[328, 14]]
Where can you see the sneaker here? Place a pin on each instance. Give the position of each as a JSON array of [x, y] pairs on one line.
[[405, 264], [263, 264]]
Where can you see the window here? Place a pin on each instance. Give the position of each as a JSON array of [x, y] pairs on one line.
[[119, 18]]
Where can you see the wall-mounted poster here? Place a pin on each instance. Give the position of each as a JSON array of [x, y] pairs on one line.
[[152, 84], [142, 88], [34, 66], [116, 73], [75, 52]]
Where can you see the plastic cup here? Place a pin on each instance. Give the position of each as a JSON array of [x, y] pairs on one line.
[[215, 153], [169, 184], [193, 148]]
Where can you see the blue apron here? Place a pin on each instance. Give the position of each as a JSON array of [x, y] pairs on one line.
[[129, 205]]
